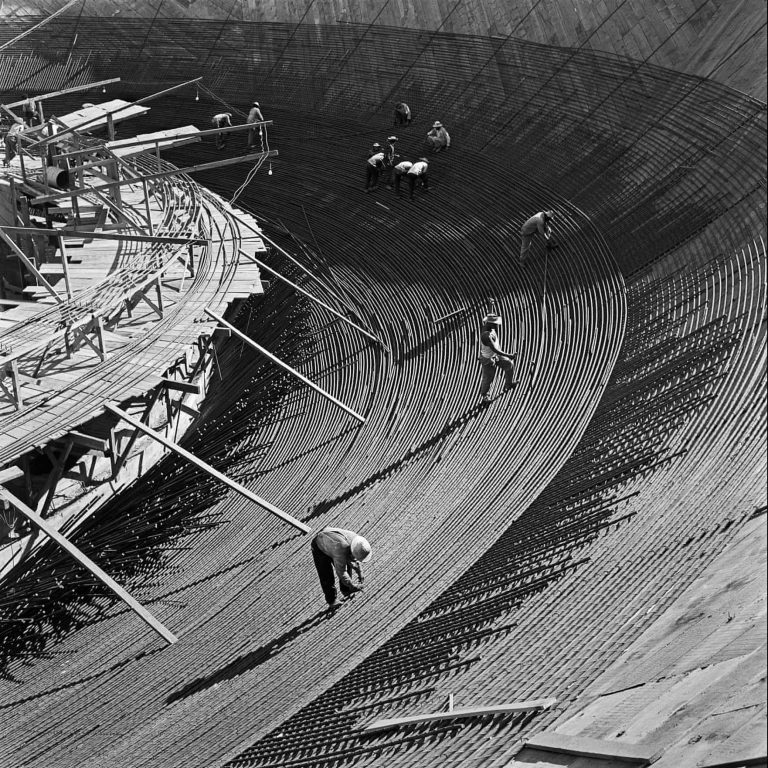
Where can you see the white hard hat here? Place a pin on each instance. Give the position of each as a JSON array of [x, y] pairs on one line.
[[361, 549]]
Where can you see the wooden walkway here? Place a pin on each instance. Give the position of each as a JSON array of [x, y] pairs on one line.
[[67, 390]]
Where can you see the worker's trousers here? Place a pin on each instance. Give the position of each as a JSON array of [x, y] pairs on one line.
[[371, 176], [325, 571], [489, 366], [525, 245], [412, 182]]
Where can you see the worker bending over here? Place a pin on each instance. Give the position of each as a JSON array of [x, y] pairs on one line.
[[537, 224], [343, 551]]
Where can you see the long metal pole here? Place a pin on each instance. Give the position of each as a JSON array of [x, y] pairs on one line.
[[283, 365], [77, 88], [235, 486], [86, 562], [308, 295]]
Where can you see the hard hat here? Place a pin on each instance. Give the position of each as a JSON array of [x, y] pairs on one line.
[[376, 144], [492, 318], [437, 124], [391, 138], [424, 160], [361, 549], [255, 103]]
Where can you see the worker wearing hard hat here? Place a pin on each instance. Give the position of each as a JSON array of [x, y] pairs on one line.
[[254, 116], [492, 356], [537, 224], [343, 551]]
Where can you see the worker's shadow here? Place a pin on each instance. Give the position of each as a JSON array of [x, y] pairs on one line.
[[250, 660]]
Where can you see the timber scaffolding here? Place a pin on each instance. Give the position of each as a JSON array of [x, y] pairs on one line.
[[114, 267]]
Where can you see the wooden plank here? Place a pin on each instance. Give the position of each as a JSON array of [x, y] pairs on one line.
[[243, 491], [535, 705], [75, 89], [181, 386], [284, 366], [10, 473], [86, 562], [584, 746], [88, 441], [149, 177]]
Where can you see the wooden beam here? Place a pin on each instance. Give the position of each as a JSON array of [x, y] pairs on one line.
[[235, 486], [293, 285], [89, 441], [536, 705], [53, 94], [565, 744], [91, 235], [180, 386], [86, 562], [144, 100], [73, 193], [10, 473], [38, 25], [284, 366], [30, 266]]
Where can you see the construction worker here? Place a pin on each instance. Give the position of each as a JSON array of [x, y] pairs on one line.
[[343, 551], [375, 149], [254, 116], [389, 160], [10, 139], [372, 166], [402, 113], [222, 120], [400, 170], [538, 223], [492, 356], [29, 109], [418, 171], [438, 138]]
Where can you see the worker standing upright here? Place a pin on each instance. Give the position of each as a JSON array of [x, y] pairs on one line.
[[492, 356], [342, 551], [390, 158], [254, 116]]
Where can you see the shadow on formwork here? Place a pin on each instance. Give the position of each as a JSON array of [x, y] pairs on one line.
[[516, 553]]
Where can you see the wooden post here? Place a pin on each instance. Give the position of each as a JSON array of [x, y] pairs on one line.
[[146, 205], [65, 266], [207, 468], [86, 562], [284, 366]]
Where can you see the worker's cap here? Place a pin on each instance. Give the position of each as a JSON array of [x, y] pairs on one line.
[[361, 549], [376, 145], [391, 138], [424, 160], [437, 124], [492, 318], [255, 103]]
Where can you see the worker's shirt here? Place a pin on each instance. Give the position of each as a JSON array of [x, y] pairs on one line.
[[418, 169], [337, 544], [254, 115], [404, 166], [376, 160], [403, 108], [222, 119], [536, 223], [16, 128], [389, 155], [486, 351]]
